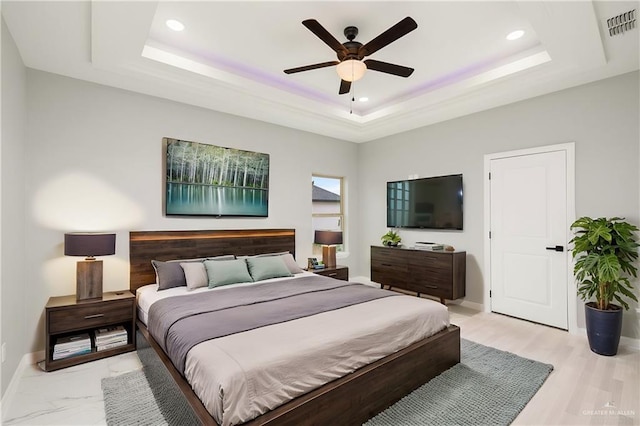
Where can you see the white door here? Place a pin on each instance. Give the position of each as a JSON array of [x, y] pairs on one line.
[[528, 208]]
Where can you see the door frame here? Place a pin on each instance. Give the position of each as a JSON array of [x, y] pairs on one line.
[[572, 293]]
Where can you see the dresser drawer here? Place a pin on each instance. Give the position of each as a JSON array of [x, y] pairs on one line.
[[92, 315]]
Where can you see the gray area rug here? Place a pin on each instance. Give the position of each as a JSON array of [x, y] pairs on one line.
[[146, 397], [488, 387]]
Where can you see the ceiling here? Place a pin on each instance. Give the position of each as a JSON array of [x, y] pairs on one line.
[[231, 55]]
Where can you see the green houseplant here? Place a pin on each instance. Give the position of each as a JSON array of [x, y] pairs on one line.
[[604, 251], [391, 238]]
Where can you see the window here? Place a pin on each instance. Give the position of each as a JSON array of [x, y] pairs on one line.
[[327, 206]]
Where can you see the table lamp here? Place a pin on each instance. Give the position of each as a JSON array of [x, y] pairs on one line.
[[328, 240], [89, 271]]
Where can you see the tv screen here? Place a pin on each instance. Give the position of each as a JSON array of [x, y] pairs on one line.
[[428, 203]]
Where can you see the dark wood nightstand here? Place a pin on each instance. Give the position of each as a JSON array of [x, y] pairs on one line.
[[64, 316], [340, 272]]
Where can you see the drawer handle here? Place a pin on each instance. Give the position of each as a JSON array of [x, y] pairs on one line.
[[431, 286], [387, 264], [93, 316], [333, 274]]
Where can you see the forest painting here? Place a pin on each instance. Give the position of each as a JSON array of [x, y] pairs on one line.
[[210, 180]]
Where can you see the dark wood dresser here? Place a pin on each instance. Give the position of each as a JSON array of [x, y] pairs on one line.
[[436, 273]]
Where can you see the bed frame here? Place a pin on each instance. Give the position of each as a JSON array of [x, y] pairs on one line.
[[350, 400]]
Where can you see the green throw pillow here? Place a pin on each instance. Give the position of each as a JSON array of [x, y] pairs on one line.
[[262, 268], [225, 272]]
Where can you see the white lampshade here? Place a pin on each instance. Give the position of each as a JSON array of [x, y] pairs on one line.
[[351, 69]]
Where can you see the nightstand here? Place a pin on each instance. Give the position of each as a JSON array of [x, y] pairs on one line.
[[340, 272], [64, 317]]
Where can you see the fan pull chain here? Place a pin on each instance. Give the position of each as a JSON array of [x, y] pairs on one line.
[[353, 98]]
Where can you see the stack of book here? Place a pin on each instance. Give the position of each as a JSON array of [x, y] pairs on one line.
[[72, 345], [111, 337]]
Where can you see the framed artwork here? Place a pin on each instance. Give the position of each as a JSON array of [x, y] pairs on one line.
[[210, 180]]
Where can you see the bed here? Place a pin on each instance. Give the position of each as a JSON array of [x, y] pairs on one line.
[[370, 382]]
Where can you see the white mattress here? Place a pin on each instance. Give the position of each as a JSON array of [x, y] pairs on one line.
[[241, 376]]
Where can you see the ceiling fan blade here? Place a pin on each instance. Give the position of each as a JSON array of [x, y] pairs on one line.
[[388, 68], [392, 34], [324, 35], [345, 87], [311, 67]]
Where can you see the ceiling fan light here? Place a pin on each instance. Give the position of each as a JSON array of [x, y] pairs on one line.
[[351, 69]]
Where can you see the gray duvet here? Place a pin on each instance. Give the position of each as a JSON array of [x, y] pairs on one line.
[[180, 323]]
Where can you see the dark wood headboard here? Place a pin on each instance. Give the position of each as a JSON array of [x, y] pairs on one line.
[[145, 246]]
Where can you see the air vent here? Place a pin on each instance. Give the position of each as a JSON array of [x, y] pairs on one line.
[[621, 23]]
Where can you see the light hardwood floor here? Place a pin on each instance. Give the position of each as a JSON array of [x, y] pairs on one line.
[[583, 389]]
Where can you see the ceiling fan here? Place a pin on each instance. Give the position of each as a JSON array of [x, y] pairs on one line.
[[350, 64]]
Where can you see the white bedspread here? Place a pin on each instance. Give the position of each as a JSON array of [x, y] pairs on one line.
[[241, 376]]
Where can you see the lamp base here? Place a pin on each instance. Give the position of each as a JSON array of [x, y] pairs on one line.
[[329, 256], [89, 280]]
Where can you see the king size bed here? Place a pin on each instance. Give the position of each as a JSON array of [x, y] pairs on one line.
[[295, 348]]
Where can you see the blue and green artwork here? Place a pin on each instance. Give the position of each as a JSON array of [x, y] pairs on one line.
[[210, 180]]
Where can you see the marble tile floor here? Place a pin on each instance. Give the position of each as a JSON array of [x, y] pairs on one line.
[[583, 389], [70, 396]]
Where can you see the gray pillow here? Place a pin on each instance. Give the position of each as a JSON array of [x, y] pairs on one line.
[[168, 274], [263, 268], [195, 274], [227, 272], [293, 267]]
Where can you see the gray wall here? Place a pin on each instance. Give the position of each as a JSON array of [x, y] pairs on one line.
[[12, 225], [602, 119], [95, 163]]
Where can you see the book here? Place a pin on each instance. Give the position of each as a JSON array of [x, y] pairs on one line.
[[68, 346], [110, 345], [75, 342], [110, 331], [62, 355], [104, 336]]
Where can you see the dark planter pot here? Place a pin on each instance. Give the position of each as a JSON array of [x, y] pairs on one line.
[[603, 328]]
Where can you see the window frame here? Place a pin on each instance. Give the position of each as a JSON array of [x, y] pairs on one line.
[[341, 216]]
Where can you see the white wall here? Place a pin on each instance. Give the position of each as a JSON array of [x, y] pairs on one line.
[[602, 119], [12, 234], [95, 163]]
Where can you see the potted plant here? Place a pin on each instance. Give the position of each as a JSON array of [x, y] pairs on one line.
[[391, 238], [604, 250]]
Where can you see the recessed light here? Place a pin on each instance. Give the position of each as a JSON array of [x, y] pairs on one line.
[[175, 25], [363, 99], [514, 35]]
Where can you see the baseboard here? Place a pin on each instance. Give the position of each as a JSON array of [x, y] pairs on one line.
[[630, 343], [364, 280], [7, 398], [627, 342], [467, 304]]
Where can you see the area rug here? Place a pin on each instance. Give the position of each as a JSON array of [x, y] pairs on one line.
[[488, 387], [147, 397]]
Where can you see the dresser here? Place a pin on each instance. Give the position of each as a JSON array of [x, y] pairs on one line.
[[439, 274]]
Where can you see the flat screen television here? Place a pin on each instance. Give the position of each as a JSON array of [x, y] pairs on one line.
[[428, 203]]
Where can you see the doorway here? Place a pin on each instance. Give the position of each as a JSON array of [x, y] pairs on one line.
[[529, 201]]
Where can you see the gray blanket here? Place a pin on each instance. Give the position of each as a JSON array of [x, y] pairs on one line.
[[180, 323]]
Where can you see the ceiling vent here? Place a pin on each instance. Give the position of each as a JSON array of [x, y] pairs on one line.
[[621, 23]]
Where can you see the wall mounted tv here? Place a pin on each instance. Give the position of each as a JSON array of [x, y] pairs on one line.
[[428, 203]]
